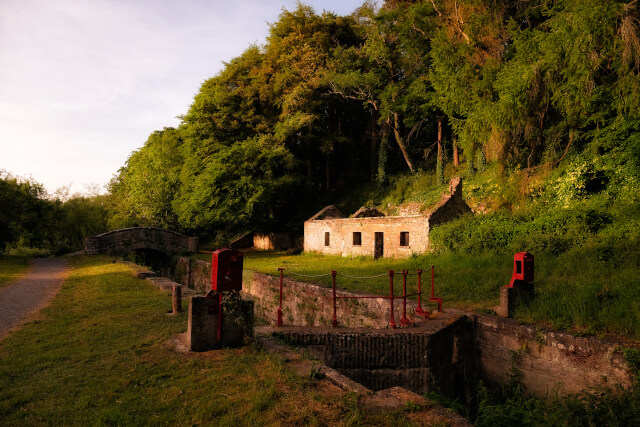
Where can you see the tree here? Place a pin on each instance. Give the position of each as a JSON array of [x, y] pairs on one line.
[[145, 187], [244, 186], [386, 72]]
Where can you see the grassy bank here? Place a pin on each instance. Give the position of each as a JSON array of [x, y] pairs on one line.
[[573, 290], [12, 268], [101, 355], [472, 282]]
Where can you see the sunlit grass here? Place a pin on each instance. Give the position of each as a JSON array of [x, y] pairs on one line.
[[571, 292], [102, 355], [464, 282], [12, 268]]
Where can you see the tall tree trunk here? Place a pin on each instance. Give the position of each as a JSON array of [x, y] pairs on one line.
[[381, 175], [456, 159], [309, 171], [374, 151], [400, 140], [440, 166], [328, 173]]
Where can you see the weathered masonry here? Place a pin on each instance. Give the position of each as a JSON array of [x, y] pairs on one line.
[[369, 232], [448, 353], [119, 242]]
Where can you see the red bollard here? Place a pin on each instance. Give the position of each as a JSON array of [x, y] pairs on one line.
[[334, 320], [392, 321], [404, 321], [419, 310], [280, 305]]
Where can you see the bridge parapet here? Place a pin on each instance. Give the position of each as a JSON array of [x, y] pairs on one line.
[[120, 242]]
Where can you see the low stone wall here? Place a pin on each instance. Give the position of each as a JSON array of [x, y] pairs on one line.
[[307, 304], [303, 304], [548, 361], [193, 273]]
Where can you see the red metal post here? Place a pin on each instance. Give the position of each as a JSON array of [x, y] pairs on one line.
[[404, 321], [334, 320], [433, 298], [392, 321], [219, 337], [280, 305], [419, 310], [432, 291]]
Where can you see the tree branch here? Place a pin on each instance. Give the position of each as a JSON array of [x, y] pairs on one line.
[[416, 128], [435, 8], [459, 23]]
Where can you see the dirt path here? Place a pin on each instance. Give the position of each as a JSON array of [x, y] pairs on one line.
[[21, 300]]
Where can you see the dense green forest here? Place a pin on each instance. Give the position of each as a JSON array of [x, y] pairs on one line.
[[535, 103], [346, 109]]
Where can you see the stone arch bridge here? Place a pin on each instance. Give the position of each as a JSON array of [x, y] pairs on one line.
[[125, 240]]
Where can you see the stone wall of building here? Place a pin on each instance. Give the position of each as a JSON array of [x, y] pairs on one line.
[[341, 240], [450, 206], [328, 232], [272, 241]]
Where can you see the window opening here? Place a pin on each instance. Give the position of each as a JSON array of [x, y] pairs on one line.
[[404, 238], [357, 238]]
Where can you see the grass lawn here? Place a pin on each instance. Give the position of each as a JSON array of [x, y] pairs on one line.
[[101, 355], [580, 293], [12, 268]]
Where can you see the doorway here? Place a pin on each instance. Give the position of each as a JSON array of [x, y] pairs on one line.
[[379, 245]]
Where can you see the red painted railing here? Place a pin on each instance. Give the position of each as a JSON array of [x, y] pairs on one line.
[[404, 321]]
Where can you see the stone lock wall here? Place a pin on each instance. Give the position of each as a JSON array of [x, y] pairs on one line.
[[474, 346], [548, 361], [421, 359]]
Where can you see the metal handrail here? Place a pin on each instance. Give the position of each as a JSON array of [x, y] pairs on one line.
[[403, 321]]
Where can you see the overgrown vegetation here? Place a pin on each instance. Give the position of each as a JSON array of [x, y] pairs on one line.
[[535, 103], [101, 354], [511, 405]]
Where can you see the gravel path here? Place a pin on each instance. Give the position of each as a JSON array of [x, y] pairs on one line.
[[22, 299]]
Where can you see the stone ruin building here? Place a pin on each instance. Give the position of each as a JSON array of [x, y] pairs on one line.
[[369, 232]]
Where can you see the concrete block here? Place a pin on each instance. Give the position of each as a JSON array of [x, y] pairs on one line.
[[510, 297], [202, 326]]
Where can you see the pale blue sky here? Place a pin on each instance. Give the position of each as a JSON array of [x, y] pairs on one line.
[[84, 82]]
